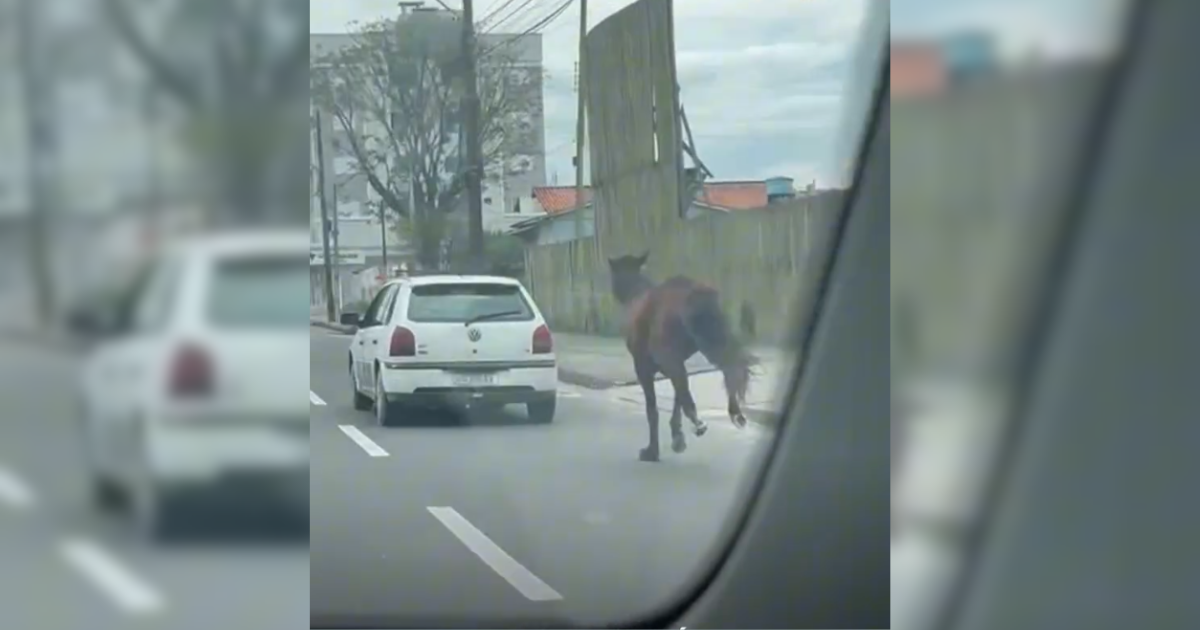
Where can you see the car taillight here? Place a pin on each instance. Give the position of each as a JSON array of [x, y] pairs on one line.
[[191, 372], [403, 343], [543, 341]]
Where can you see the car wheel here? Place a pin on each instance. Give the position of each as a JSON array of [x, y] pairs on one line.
[[151, 504], [108, 495], [362, 402], [385, 414], [542, 411], [151, 511]]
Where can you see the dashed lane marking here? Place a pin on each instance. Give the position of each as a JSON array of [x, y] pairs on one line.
[[116, 581], [363, 442], [14, 492], [315, 399], [513, 572]]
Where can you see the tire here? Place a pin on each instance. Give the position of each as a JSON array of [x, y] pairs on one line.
[[386, 414], [107, 495], [152, 511], [542, 411], [362, 402]]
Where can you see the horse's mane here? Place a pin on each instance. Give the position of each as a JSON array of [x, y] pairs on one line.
[[632, 289]]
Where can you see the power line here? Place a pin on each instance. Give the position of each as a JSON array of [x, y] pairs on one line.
[[554, 15], [495, 12]]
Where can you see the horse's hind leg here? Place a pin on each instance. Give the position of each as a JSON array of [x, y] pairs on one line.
[[645, 375], [678, 441]]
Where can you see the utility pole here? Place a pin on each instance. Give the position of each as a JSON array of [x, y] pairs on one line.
[[474, 171], [38, 104], [580, 128], [383, 235], [330, 312]]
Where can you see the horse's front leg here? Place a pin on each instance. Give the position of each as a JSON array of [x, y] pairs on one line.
[[735, 413], [646, 380]]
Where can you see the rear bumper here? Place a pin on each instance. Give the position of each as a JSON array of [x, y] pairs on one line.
[[464, 397], [203, 451], [509, 383]]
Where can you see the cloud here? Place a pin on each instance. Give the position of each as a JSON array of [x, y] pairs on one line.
[[761, 82]]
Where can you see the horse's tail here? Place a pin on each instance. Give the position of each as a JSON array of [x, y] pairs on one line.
[[710, 329]]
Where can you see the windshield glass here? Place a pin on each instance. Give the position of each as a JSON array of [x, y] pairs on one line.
[[686, 233], [259, 292], [461, 303]]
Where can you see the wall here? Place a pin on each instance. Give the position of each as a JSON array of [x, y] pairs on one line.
[[762, 258], [561, 228], [972, 167]]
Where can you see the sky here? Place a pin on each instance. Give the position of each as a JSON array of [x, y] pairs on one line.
[[761, 81]]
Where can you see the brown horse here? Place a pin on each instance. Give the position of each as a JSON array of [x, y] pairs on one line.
[[666, 324]]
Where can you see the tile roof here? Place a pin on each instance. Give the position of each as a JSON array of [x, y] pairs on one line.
[[558, 199], [736, 195]]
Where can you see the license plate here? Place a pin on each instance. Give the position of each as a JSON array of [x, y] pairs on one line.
[[473, 380]]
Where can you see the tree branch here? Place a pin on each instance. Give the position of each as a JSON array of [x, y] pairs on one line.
[[173, 80]]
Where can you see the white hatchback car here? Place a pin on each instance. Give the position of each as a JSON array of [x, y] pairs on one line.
[[452, 340], [205, 381]]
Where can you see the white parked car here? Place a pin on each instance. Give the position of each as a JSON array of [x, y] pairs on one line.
[[452, 340], [205, 381]]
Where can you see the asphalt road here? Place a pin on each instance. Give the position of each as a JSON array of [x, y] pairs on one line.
[[491, 519], [62, 565]]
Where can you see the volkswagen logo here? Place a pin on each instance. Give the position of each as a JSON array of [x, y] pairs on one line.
[[474, 334]]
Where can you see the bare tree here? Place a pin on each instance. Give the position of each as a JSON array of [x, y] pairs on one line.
[[396, 91], [235, 70]]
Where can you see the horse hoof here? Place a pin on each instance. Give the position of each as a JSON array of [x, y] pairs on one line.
[[648, 455], [701, 428], [679, 444]]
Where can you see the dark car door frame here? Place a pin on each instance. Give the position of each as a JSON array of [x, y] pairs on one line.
[[813, 550]]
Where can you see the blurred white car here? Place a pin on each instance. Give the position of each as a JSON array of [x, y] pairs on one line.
[[446, 339], [205, 381]]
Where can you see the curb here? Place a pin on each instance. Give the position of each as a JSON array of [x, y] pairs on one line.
[[762, 417], [42, 338], [320, 323], [588, 381]]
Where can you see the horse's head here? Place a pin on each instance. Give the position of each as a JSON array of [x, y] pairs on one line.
[[627, 278]]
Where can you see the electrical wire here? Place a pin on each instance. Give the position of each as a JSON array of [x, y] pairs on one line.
[[495, 12], [492, 13], [546, 21]]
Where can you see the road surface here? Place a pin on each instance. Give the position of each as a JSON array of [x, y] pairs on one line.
[[493, 519], [63, 566]]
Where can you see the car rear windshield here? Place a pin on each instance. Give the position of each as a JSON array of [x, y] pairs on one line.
[[260, 292], [460, 303]]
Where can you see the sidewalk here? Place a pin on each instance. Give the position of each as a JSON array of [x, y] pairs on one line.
[[604, 362]]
